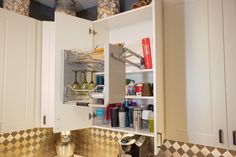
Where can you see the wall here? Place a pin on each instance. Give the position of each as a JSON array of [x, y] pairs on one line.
[[40, 142], [27, 143]]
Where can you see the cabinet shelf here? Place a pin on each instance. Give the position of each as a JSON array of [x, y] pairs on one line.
[[125, 130], [126, 18], [131, 72], [138, 97]]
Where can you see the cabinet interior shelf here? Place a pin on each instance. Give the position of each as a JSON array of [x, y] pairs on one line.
[[138, 97], [125, 130], [131, 72], [126, 18]]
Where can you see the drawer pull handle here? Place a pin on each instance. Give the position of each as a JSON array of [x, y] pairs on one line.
[[221, 136], [44, 120], [234, 138]]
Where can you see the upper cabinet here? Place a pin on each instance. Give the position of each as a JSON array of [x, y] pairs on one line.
[[77, 51], [198, 71], [19, 87]]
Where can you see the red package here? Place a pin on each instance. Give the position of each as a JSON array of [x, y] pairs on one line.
[[147, 53]]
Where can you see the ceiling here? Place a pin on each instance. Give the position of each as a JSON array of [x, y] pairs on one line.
[[81, 4]]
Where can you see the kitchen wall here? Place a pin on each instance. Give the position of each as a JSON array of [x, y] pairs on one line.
[[27, 143], [40, 142]]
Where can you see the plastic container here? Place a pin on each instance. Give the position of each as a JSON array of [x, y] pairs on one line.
[[100, 116], [131, 88], [151, 122]]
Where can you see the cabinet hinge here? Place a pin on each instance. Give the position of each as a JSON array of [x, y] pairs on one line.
[[92, 32]]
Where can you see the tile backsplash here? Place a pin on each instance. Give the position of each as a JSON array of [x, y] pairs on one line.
[[27, 143], [181, 149], [40, 142]]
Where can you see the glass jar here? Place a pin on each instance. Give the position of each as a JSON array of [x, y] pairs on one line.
[[107, 8]]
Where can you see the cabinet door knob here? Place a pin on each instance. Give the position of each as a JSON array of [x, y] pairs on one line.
[[221, 136], [234, 138]]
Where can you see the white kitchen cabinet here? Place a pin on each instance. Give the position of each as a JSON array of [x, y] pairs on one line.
[[198, 104], [229, 12], [18, 64], [68, 32]]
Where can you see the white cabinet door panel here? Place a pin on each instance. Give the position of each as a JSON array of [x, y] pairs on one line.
[[229, 12], [70, 32], [206, 112], [18, 72], [2, 54]]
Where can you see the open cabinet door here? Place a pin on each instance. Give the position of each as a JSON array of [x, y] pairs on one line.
[[70, 33], [114, 75]]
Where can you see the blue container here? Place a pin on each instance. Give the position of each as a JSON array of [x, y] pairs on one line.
[[100, 80], [100, 115]]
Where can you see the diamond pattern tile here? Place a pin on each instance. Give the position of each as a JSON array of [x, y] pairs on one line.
[[26, 143], [93, 143], [180, 149]]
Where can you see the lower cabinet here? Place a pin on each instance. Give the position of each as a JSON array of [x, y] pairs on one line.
[[18, 72], [199, 75]]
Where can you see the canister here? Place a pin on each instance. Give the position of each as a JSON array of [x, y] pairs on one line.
[[122, 116], [145, 116], [114, 117], [139, 89], [137, 117]]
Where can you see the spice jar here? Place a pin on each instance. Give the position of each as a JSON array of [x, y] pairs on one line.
[[107, 8]]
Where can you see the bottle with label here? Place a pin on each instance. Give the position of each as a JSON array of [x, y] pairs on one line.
[[137, 117], [151, 122], [131, 88], [122, 116]]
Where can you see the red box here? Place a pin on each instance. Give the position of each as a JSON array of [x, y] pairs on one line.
[[147, 53]]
